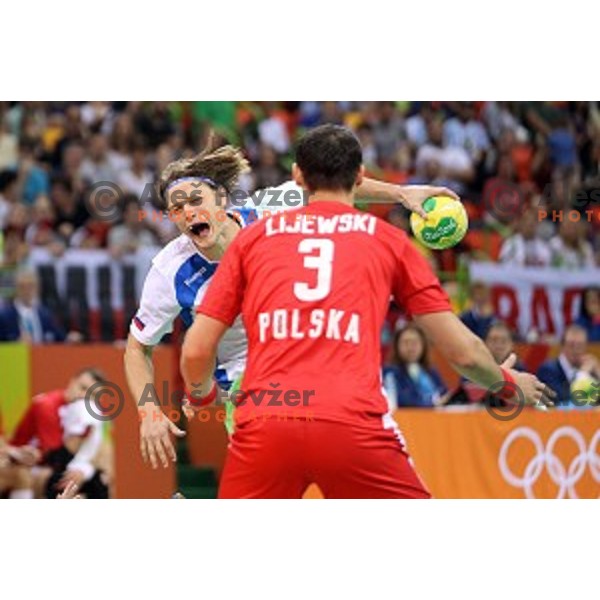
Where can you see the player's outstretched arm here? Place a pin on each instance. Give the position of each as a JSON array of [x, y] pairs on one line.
[[471, 358], [155, 426], [410, 196], [139, 369]]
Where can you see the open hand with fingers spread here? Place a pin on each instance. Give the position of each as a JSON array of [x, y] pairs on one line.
[[533, 391], [155, 438]]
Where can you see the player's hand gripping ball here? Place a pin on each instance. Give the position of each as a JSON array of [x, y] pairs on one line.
[[446, 225]]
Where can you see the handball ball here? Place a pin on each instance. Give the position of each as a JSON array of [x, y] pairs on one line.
[[446, 225], [585, 389]]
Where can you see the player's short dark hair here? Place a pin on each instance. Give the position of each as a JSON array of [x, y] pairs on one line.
[[330, 157], [96, 374]]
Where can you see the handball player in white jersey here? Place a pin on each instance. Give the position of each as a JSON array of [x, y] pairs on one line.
[[194, 193]]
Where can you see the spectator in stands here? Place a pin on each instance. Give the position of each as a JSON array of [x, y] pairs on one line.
[[41, 231], [570, 249], [480, 315], [418, 124], [410, 380], [466, 131], [525, 248], [15, 465], [96, 166], [18, 219], [9, 144], [455, 162], [388, 132], [104, 212], [269, 172], [559, 373], [136, 178], [8, 195], [25, 319], [71, 213], [67, 435], [500, 341], [499, 118], [34, 176], [70, 171], [153, 121], [121, 141], [503, 199], [367, 142], [133, 233], [95, 114], [589, 316], [562, 146], [399, 217], [273, 133]]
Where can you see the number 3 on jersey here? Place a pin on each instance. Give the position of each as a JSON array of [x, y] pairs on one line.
[[319, 257]]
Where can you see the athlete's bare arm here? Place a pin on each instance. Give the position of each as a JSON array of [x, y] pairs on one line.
[[139, 369], [155, 442], [410, 196], [198, 354], [470, 356]]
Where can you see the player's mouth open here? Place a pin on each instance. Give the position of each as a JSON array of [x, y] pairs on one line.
[[200, 230]]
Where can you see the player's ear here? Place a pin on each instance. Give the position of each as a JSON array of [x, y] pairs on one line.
[[360, 176], [297, 176]]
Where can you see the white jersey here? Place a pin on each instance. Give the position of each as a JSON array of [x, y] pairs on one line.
[[77, 421], [178, 280]]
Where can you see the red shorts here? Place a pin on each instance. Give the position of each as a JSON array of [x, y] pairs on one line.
[[280, 459]]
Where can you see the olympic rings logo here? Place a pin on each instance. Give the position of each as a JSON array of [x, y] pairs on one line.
[[565, 477]]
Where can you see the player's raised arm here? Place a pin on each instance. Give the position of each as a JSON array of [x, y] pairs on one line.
[[410, 196]]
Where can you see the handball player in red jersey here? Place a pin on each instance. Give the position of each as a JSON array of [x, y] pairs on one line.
[[313, 287]]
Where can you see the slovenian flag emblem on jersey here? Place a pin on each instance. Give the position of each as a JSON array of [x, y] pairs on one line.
[[139, 323]]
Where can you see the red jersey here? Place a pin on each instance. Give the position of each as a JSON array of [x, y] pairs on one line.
[[313, 286], [42, 422]]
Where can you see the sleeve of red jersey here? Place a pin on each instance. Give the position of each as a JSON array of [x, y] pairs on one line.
[[416, 286], [223, 299], [26, 429]]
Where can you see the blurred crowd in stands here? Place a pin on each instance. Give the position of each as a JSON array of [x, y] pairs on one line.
[[506, 159], [528, 173]]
